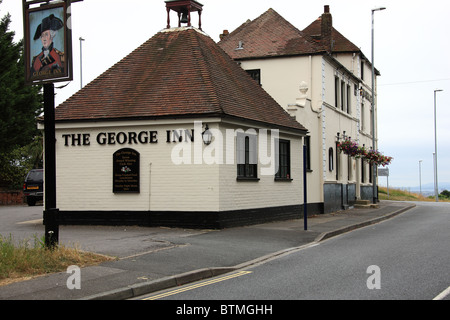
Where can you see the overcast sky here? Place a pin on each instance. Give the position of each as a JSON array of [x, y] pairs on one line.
[[412, 46]]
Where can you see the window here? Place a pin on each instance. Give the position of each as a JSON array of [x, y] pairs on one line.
[[363, 127], [338, 162], [362, 70], [343, 96], [255, 74], [350, 168], [308, 153], [247, 167], [284, 160], [330, 159], [349, 99], [371, 122], [336, 92], [363, 171]]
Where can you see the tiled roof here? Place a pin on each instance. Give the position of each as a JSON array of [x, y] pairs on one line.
[[340, 43], [269, 35], [179, 72]]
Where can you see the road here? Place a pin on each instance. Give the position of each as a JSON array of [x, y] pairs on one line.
[[405, 258], [21, 222], [24, 224]]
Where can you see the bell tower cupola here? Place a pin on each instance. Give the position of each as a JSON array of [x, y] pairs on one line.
[[184, 8]]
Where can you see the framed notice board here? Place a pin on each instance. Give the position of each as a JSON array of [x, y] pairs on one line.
[[126, 171]]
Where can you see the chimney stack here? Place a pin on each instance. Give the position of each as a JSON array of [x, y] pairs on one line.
[[224, 34], [326, 29]]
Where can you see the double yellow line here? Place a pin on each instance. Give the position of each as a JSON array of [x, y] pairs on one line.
[[198, 285]]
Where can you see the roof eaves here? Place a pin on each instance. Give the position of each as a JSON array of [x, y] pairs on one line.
[[340, 66], [140, 118], [281, 56], [299, 129]]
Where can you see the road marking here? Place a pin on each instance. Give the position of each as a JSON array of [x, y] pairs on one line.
[[31, 221], [198, 285], [443, 294]]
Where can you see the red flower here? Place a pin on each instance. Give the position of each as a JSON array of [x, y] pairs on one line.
[[352, 149]]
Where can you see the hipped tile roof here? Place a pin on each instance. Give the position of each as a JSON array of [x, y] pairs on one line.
[[269, 35], [340, 43], [179, 72]]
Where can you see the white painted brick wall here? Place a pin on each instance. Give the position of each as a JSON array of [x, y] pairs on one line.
[[84, 177]]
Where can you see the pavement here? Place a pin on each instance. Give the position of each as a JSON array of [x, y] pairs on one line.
[[153, 259]]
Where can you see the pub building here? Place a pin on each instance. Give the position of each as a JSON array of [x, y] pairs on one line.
[[177, 134]]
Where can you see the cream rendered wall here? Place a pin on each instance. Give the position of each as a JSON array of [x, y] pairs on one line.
[[282, 77], [351, 61], [265, 192], [337, 120], [362, 132]]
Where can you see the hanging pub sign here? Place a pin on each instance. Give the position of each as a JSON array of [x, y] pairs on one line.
[[48, 42]]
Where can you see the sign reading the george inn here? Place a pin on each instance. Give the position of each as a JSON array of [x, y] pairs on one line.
[[48, 43], [130, 138]]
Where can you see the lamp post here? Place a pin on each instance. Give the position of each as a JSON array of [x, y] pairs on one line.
[[436, 186], [374, 167], [420, 176], [81, 62]]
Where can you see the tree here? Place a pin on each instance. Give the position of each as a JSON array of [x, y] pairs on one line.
[[20, 104], [445, 194]]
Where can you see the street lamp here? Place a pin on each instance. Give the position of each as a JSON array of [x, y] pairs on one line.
[[374, 167], [420, 176], [436, 186], [207, 136], [81, 62]]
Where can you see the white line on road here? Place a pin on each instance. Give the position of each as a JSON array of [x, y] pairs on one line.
[[31, 221], [443, 294]]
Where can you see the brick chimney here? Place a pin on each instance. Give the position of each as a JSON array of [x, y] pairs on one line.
[[224, 34], [326, 29]]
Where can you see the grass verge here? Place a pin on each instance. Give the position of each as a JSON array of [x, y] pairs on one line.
[[404, 195], [29, 258]]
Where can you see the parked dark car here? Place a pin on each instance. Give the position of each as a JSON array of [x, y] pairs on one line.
[[33, 187]]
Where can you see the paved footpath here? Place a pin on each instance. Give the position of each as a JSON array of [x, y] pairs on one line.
[[153, 259]]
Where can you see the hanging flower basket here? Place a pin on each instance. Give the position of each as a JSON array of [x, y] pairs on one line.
[[362, 153], [352, 149], [373, 156], [348, 147]]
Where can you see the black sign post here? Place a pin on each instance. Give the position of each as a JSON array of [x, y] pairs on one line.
[[305, 189], [50, 210]]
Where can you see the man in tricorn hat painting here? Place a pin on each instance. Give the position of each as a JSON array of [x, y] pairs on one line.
[[50, 60]]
